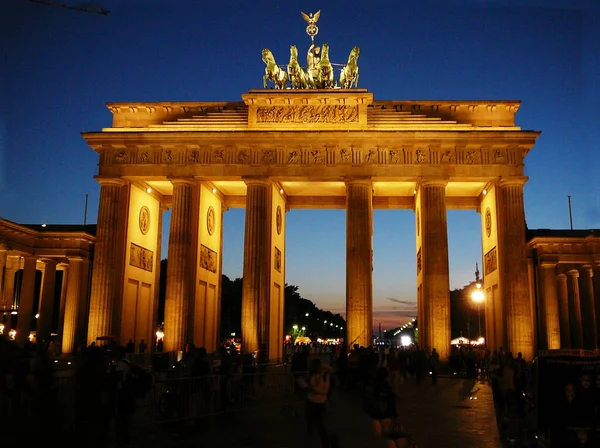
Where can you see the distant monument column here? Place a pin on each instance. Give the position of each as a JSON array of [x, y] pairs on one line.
[[550, 310], [575, 309], [563, 301], [588, 311], [104, 296], [46, 306], [180, 287], [513, 258], [72, 305], [26, 300], [359, 262], [432, 262], [257, 265]]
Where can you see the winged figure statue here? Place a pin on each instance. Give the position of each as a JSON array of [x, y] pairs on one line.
[[312, 19]]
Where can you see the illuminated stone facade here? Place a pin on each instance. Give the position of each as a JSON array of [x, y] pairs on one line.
[[25, 251], [564, 268], [278, 150]]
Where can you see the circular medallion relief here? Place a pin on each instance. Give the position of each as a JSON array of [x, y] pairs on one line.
[[418, 222], [210, 220], [278, 220], [144, 220], [488, 222]]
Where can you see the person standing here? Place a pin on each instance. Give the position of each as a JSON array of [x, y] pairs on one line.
[[434, 365], [319, 384]]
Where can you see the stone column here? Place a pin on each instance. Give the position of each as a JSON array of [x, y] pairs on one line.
[[84, 302], [9, 293], [72, 305], [180, 288], [588, 311], [575, 309], [513, 258], [3, 256], [257, 265], [563, 303], [596, 286], [26, 300], [46, 307], [63, 297], [105, 290], [359, 262], [550, 310], [434, 265]]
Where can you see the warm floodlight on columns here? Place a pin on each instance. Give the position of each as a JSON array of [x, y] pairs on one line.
[[433, 282], [104, 296], [359, 262], [180, 285]]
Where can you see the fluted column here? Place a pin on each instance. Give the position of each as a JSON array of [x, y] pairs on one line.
[[588, 311], [563, 303], [72, 305], [513, 258], [359, 264], [180, 288], [3, 256], [105, 290], [575, 309], [550, 310], [26, 300], [434, 264], [63, 298], [596, 286], [257, 265], [9, 293], [46, 307]]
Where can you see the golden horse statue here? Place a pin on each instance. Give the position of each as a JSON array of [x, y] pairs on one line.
[[349, 74], [299, 79], [325, 78], [272, 71]]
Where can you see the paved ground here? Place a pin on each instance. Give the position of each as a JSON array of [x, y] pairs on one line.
[[453, 413]]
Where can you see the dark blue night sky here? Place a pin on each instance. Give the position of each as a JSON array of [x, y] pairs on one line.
[[60, 67]]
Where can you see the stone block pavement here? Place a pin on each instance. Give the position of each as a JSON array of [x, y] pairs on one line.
[[453, 413]]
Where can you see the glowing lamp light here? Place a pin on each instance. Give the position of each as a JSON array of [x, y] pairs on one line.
[[303, 328], [160, 335], [295, 327], [12, 334], [306, 314], [14, 313], [1, 329], [414, 191], [148, 190], [281, 191], [214, 190], [477, 296], [37, 316], [43, 225], [484, 192]]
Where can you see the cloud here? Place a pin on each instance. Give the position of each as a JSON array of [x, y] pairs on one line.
[[403, 302]]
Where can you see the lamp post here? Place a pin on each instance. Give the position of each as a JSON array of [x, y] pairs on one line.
[[478, 296]]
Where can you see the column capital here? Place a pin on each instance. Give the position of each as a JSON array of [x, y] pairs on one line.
[[510, 181], [358, 181], [182, 180], [117, 182], [561, 277], [547, 264], [573, 273], [50, 261], [433, 182], [589, 269], [251, 180]]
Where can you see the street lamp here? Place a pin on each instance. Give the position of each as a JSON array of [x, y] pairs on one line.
[[478, 297]]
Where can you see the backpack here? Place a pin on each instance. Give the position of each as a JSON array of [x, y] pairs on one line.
[[141, 381]]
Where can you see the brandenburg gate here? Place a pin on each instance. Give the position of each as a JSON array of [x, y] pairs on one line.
[[309, 149]]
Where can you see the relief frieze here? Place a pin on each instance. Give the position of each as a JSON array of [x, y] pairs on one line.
[[277, 259], [140, 257], [490, 261], [121, 156], [243, 156], [307, 114], [194, 156], [345, 155], [447, 156], [144, 157], [316, 156], [293, 157], [269, 156], [168, 156], [218, 155], [370, 157], [208, 259], [421, 156], [395, 156]]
